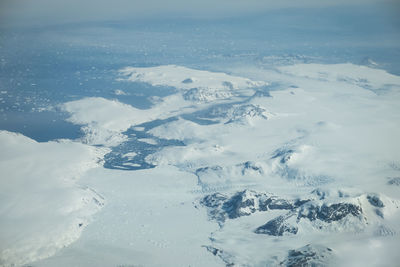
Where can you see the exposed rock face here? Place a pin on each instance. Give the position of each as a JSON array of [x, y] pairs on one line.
[[225, 257], [329, 213], [278, 226], [284, 154], [206, 95], [283, 204], [214, 200], [244, 203], [188, 80], [250, 166], [312, 212], [241, 112], [375, 201], [222, 207], [241, 204], [237, 113], [213, 203], [309, 255]]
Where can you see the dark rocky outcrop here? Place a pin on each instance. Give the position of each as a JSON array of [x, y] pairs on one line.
[[309, 255], [241, 204], [240, 112], [329, 213], [283, 204], [284, 154], [250, 166], [278, 226], [221, 207], [312, 212], [375, 201], [225, 257], [188, 80], [213, 202]]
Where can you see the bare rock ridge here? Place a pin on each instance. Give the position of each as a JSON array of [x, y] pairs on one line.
[[222, 207], [278, 226], [309, 255]]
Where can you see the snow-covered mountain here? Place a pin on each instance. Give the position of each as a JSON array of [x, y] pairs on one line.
[[225, 170]]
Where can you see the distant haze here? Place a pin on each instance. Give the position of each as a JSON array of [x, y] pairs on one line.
[[54, 11]]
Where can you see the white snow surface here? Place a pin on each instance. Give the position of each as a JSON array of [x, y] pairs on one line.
[[186, 78], [104, 120], [329, 132], [197, 85], [43, 206], [347, 73]]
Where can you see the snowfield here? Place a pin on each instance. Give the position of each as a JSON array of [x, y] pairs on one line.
[[224, 171], [185, 78], [43, 205]]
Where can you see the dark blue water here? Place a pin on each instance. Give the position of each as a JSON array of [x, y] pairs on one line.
[[116, 159], [45, 65], [41, 126]]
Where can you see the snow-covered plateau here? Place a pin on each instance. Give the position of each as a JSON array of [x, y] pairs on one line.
[[298, 165]]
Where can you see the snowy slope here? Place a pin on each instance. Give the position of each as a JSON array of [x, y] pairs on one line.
[[196, 85], [227, 171], [185, 78], [43, 206]]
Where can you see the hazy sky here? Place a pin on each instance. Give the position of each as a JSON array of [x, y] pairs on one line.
[[35, 11]]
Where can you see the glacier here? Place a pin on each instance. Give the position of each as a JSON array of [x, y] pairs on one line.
[[300, 174]]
